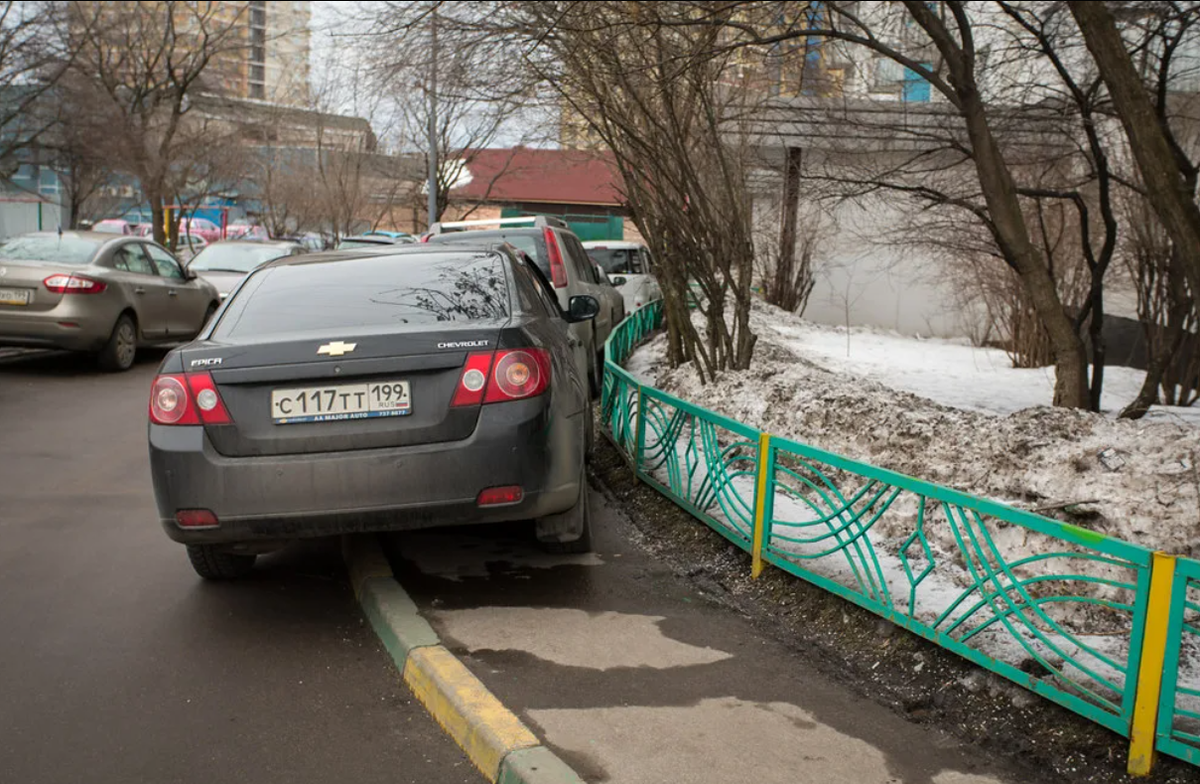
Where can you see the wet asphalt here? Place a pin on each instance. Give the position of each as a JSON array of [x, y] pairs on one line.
[[118, 665], [632, 674]]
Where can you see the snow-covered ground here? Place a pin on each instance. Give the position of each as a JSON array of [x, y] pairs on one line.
[[962, 417]]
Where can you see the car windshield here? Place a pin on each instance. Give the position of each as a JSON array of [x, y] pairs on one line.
[[58, 249], [370, 292], [235, 258], [530, 242], [617, 261]]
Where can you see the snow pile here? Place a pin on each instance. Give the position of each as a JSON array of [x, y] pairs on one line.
[[1139, 479]]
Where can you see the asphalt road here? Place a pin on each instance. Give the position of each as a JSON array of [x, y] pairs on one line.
[[117, 664]]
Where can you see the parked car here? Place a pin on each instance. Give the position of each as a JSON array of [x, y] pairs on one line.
[[629, 267], [189, 246], [199, 227], [610, 298], [246, 231], [225, 264], [367, 392], [561, 257], [98, 293], [368, 241], [310, 240], [116, 226], [399, 236]]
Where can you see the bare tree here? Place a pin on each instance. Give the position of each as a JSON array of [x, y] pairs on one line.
[[139, 68], [1170, 176], [33, 55]]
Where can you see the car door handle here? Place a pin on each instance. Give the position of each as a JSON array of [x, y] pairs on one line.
[[172, 293], [139, 290]]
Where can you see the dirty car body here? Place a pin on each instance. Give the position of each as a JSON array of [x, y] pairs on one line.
[[337, 393]]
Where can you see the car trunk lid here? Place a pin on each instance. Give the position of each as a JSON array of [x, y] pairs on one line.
[[304, 395]]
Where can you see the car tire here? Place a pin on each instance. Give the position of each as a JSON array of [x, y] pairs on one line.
[[120, 351], [213, 563], [594, 379], [578, 517]]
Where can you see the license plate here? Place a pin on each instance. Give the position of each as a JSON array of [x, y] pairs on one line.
[[340, 402], [15, 296]]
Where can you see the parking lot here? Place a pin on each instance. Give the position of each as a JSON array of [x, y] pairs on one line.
[[118, 664]]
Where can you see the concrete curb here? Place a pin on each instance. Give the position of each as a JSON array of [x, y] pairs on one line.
[[495, 740]]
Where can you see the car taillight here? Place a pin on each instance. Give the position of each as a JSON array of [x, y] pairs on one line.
[[208, 399], [73, 284], [519, 374], [508, 374], [196, 518], [558, 272], [192, 399], [473, 382]]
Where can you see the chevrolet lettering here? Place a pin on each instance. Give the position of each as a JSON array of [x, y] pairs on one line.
[[465, 344]]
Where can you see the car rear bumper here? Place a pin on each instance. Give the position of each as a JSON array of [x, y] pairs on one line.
[[51, 329], [296, 496]]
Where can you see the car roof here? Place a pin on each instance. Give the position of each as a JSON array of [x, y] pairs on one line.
[[95, 236], [614, 244], [255, 243], [355, 254]]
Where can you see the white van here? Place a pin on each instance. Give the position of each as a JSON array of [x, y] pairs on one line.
[[629, 267]]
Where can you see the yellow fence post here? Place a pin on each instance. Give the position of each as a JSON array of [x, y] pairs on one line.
[[760, 504], [1150, 670]]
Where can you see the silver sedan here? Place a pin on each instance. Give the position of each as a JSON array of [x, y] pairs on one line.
[[97, 293]]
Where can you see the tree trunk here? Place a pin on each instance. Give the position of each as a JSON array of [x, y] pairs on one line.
[[1012, 234], [1099, 351], [157, 219], [1167, 186], [781, 288]]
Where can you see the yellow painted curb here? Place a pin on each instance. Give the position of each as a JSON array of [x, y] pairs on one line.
[[485, 729]]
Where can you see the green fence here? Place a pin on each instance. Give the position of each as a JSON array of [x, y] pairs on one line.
[[1098, 625]]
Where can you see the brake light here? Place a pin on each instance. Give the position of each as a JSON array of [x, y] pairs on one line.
[[508, 374], [519, 374], [176, 399], [73, 284], [558, 272], [473, 382], [501, 496]]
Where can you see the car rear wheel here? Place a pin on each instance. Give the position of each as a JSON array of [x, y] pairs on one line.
[[213, 563], [578, 518], [121, 349]]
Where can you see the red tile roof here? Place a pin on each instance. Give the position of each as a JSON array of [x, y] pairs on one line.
[[523, 174]]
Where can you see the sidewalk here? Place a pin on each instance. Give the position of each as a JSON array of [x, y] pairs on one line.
[[631, 676]]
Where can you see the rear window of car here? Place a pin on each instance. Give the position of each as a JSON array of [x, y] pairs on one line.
[[374, 292], [60, 250], [532, 242], [617, 261]]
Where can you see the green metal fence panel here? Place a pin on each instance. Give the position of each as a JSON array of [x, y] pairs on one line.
[[1056, 608], [1179, 706]]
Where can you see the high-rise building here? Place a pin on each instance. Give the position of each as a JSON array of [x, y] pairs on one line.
[[272, 65]]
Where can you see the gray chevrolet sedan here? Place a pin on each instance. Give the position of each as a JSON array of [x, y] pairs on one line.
[[358, 391], [100, 293]]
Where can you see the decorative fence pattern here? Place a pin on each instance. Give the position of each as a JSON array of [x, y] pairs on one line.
[[1098, 625]]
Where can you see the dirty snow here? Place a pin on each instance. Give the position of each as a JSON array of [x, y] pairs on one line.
[[955, 415]]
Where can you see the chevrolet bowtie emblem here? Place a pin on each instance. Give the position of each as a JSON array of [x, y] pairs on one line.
[[337, 348]]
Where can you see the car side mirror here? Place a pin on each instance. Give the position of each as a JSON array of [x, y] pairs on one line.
[[189, 273], [618, 281], [582, 308]]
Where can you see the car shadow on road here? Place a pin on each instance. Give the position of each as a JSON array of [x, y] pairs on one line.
[[63, 364]]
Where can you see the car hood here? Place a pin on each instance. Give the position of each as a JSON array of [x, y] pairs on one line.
[[225, 282]]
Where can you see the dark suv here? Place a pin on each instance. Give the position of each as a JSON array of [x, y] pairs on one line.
[[560, 255]]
